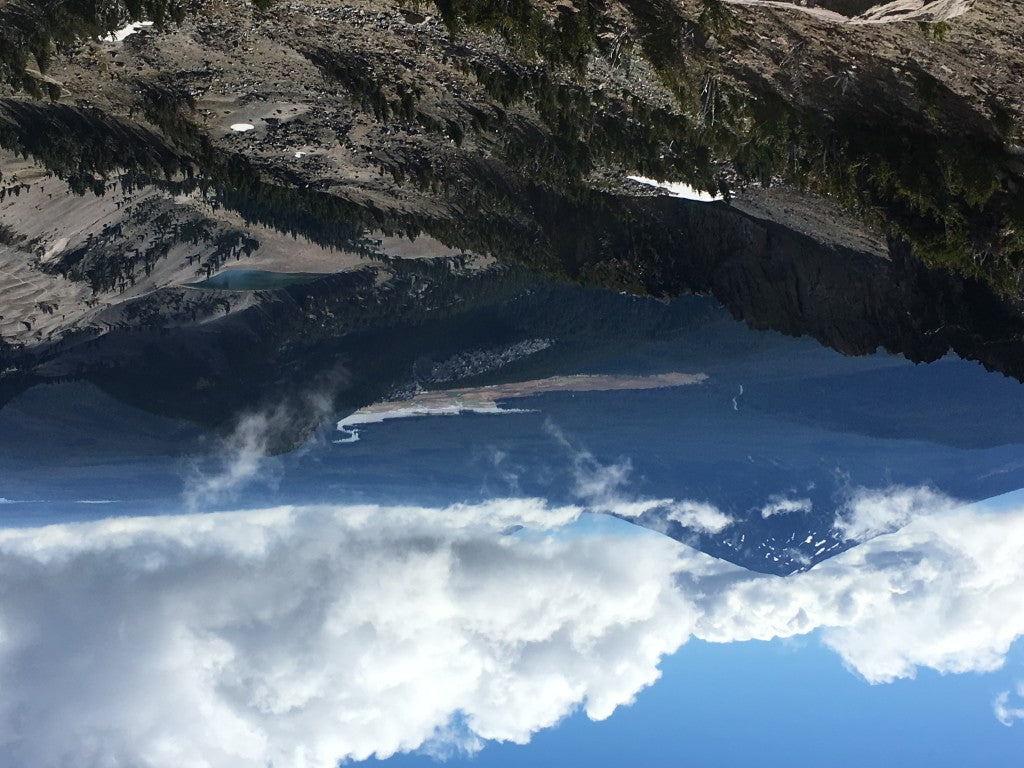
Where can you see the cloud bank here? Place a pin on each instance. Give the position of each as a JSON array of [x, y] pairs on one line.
[[945, 592], [306, 636], [292, 637]]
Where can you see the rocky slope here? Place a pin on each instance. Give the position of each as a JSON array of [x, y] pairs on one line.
[[872, 173]]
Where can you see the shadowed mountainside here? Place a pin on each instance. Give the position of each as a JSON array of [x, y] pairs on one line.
[[872, 187]]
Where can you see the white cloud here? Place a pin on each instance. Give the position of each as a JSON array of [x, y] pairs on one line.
[[301, 637], [241, 460], [1004, 712], [872, 512], [700, 516], [304, 637], [602, 487], [780, 505], [243, 457], [945, 592], [600, 484], [507, 470]]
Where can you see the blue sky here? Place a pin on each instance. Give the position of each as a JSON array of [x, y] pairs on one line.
[[788, 702], [781, 703], [242, 632], [242, 637]]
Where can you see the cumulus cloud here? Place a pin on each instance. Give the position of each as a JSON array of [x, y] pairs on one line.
[[699, 516], [945, 592], [872, 512], [301, 637], [1006, 713], [780, 505], [306, 636], [603, 487]]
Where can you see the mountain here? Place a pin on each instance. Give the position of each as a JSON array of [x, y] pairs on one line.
[[780, 436], [872, 188], [309, 208]]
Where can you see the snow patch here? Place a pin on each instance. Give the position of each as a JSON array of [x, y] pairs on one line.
[[119, 35], [924, 11], [678, 189]]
